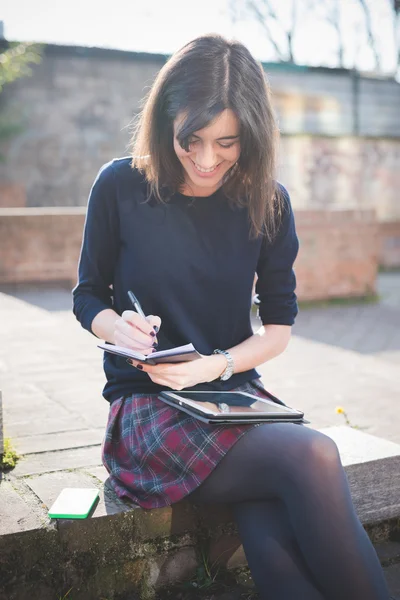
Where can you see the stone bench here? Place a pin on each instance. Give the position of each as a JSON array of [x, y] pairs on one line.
[[125, 552]]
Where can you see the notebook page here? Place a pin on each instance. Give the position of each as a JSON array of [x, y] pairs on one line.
[[172, 351], [121, 350]]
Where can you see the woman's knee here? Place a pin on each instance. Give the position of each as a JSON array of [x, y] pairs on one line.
[[320, 450]]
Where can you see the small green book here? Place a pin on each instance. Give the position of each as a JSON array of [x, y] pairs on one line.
[[73, 503]]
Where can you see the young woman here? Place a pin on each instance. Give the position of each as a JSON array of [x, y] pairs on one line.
[[185, 224]]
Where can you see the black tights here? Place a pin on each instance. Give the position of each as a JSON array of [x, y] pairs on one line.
[[296, 520]]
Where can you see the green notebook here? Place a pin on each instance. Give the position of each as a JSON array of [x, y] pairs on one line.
[[73, 503]]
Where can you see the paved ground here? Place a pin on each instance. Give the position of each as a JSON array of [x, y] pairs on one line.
[[51, 370], [51, 378]]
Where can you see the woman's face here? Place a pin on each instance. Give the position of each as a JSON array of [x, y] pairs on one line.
[[212, 152]]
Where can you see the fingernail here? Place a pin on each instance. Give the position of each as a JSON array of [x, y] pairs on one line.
[[155, 345], [139, 367], [156, 329], [153, 333]]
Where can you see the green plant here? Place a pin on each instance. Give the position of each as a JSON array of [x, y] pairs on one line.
[[15, 63], [66, 595], [10, 456], [340, 411], [206, 573]]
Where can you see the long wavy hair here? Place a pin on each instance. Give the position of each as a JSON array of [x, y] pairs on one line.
[[205, 77]]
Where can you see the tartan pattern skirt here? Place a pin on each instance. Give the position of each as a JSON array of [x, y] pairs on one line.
[[156, 454]]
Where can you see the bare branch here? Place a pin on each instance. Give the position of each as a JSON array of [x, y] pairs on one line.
[[252, 4], [270, 14], [333, 17], [290, 32], [395, 6], [371, 38]]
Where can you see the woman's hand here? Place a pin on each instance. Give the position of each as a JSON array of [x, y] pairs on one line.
[[179, 376], [134, 332]]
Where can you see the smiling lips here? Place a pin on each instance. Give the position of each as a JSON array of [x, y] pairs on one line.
[[205, 172]]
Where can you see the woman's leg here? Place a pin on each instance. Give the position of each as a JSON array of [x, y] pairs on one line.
[[272, 552], [302, 467]]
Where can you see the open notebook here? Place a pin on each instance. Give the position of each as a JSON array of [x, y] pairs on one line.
[[173, 355]]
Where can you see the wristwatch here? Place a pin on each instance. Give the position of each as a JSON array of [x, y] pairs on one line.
[[229, 367]]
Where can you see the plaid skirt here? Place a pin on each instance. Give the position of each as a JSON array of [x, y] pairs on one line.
[[156, 454]]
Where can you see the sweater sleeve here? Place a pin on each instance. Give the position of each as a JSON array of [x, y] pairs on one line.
[[93, 293], [276, 279]]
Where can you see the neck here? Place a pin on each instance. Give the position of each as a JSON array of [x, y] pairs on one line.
[[199, 192]]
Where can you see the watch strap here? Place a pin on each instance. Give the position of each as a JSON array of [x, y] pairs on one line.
[[229, 367]]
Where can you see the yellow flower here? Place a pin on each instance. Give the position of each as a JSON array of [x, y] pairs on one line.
[[339, 410]]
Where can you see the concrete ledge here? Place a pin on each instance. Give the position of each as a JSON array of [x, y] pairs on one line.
[[43, 245], [124, 550], [372, 467]]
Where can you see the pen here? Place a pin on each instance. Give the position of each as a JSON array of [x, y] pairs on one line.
[[136, 304]]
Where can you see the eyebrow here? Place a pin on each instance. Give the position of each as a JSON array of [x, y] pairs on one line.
[[226, 137]]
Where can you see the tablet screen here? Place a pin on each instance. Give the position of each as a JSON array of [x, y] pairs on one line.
[[234, 403]]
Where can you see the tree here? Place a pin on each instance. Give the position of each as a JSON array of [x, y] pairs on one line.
[[396, 28], [15, 61], [278, 25], [331, 12], [281, 22]]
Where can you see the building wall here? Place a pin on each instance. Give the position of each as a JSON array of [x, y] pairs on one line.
[[43, 244], [342, 173], [340, 132]]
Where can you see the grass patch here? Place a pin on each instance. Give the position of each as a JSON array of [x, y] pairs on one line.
[[10, 456], [382, 269], [218, 587], [349, 301]]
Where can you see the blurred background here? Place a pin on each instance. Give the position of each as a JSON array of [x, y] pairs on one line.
[[72, 77]]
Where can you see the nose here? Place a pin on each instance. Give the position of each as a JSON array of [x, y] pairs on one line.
[[206, 156]]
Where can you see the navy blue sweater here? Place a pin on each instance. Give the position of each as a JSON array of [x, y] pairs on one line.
[[190, 261]]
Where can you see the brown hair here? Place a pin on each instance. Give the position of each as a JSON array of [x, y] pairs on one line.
[[205, 77]]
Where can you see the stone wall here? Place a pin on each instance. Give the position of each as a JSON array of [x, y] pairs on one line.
[[390, 245], [343, 173], [340, 132], [43, 244], [75, 113], [40, 244]]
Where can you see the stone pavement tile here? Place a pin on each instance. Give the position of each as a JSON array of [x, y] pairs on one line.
[[100, 472], [367, 332], [66, 369], [17, 514], [369, 405], [316, 378], [42, 425], [52, 297], [58, 441], [21, 408], [49, 485], [85, 399], [389, 289], [58, 461]]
